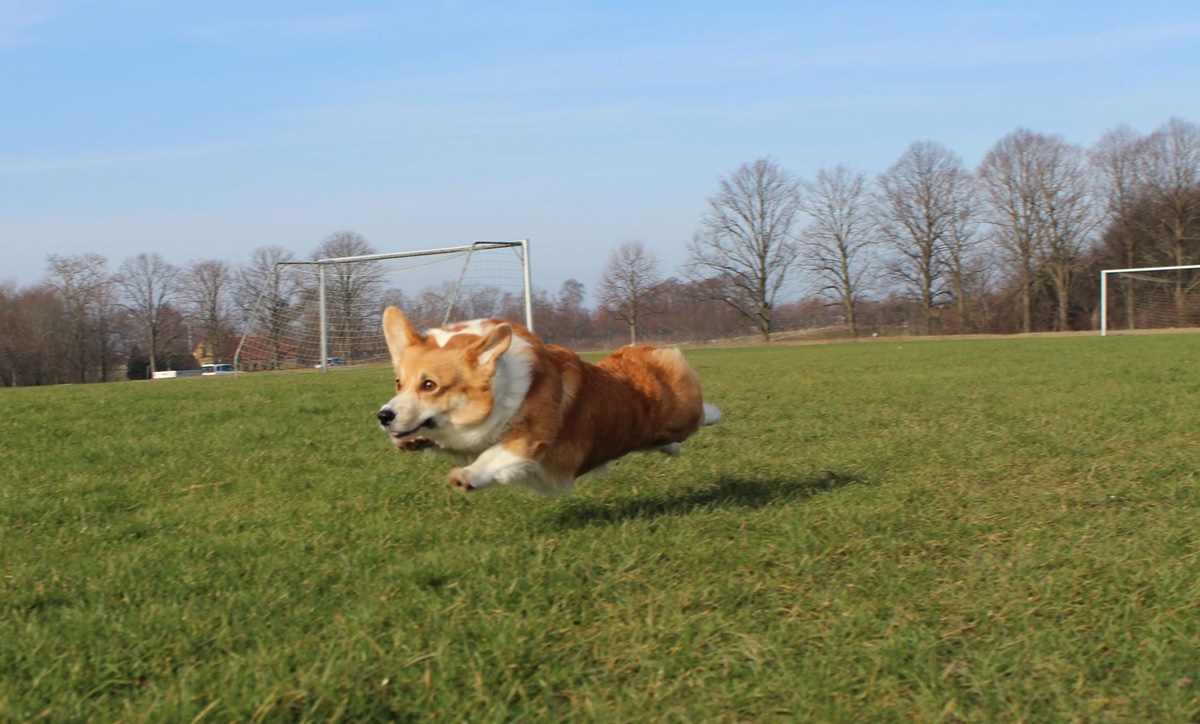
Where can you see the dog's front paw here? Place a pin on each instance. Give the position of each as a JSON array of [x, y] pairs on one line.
[[413, 444], [460, 480]]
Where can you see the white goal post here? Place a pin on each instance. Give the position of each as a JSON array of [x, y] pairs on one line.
[[1165, 296], [327, 312]]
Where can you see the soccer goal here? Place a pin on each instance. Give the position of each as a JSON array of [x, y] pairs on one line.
[[327, 313], [1160, 297]]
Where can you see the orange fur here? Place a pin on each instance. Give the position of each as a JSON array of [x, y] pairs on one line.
[[531, 413]]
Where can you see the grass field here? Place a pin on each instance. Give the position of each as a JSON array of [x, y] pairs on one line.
[[975, 530]]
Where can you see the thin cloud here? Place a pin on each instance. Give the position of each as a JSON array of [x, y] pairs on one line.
[[991, 52], [301, 30], [18, 19], [707, 66], [139, 157]]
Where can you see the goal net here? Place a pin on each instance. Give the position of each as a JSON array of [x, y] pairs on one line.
[[1149, 298], [328, 312]]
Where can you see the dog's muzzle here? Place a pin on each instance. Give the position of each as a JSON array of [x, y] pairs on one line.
[[387, 416]]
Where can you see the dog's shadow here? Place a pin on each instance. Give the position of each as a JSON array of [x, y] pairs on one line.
[[726, 492]]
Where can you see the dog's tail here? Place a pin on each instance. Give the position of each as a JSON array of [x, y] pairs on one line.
[[712, 415]]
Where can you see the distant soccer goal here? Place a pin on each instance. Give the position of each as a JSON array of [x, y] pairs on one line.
[[1160, 297], [327, 313]]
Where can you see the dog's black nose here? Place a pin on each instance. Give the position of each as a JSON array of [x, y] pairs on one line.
[[386, 416]]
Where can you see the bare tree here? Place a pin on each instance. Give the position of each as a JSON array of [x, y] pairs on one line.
[[31, 337], [352, 290], [148, 284], [628, 284], [1172, 180], [108, 324], [1008, 175], [85, 288], [745, 245], [959, 249], [429, 305], [561, 318], [266, 294], [1116, 160], [1068, 218], [925, 200], [572, 317], [206, 292], [1172, 175], [839, 236], [14, 334], [1040, 204], [571, 295]]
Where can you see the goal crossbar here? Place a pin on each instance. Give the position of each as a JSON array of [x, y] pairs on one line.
[[523, 243], [520, 245], [1104, 286]]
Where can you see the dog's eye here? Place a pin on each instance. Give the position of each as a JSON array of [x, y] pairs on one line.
[[428, 386]]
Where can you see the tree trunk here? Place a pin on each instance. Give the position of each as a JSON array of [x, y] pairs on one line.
[[1027, 300]]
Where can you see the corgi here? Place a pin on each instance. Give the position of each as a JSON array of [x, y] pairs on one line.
[[516, 411]]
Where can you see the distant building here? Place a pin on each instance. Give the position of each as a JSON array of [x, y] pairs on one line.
[[258, 353]]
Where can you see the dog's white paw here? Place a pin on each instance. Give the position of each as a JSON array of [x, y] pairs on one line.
[[460, 480]]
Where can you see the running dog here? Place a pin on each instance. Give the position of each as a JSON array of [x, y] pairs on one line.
[[516, 411]]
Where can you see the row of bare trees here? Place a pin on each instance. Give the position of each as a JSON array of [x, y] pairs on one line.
[[88, 323], [1011, 238]]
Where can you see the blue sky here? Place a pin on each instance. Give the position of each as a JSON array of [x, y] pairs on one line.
[[204, 130]]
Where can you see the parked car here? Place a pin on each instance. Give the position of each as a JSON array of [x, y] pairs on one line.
[[218, 369], [332, 362]]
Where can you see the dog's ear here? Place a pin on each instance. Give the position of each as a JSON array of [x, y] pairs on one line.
[[398, 332], [495, 343]]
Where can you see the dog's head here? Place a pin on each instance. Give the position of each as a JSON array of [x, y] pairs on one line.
[[443, 380]]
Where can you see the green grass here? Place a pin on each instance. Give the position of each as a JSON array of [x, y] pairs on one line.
[[975, 530]]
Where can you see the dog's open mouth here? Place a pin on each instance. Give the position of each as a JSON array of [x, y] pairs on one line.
[[429, 423]]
